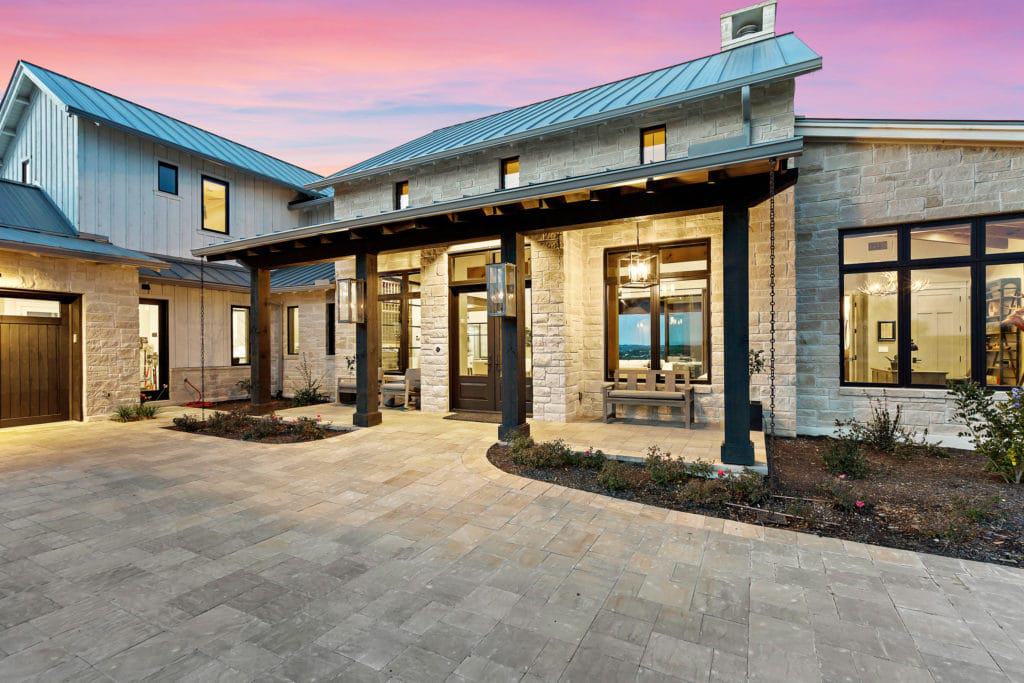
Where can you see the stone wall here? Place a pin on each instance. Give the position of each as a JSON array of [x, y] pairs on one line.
[[844, 185], [312, 340], [220, 382], [110, 320], [581, 151], [434, 329]]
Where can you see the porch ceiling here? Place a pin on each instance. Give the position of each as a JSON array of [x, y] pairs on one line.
[[665, 187]]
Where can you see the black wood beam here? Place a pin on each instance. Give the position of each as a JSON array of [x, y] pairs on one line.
[[613, 205], [368, 346], [737, 448], [513, 344], [259, 335]]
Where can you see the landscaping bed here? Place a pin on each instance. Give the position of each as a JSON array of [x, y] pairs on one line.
[[245, 405], [258, 428], [932, 500]]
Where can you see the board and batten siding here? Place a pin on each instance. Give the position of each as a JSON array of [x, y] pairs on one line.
[[183, 324], [120, 200], [48, 137]]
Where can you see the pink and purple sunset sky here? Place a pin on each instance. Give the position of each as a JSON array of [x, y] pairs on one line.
[[326, 84]]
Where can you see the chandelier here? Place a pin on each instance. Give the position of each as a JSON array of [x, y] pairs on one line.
[[890, 286], [638, 268]]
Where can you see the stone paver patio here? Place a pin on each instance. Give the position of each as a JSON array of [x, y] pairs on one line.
[[130, 552]]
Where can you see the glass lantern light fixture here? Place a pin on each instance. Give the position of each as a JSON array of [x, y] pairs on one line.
[[351, 300], [501, 290], [639, 268]]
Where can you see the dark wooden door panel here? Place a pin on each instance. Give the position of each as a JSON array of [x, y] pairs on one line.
[[33, 370]]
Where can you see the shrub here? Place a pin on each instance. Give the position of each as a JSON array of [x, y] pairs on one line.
[[965, 514], [188, 423], [842, 496], [307, 392], [749, 488], [883, 430], [145, 411], [843, 456], [591, 459], [227, 423], [309, 429], [520, 447], [663, 470], [132, 412], [524, 451], [259, 428], [700, 468], [614, 476], [712, 493], [996, 428]]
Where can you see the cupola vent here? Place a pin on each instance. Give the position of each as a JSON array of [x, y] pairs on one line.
[[748, 25]]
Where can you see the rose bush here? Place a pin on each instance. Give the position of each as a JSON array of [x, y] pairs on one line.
[[994, 426]]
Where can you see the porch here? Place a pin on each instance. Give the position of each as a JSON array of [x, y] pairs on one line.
[[734, 186], [627, 438]]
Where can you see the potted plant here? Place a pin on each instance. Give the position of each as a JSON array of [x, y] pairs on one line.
[[755, 363]]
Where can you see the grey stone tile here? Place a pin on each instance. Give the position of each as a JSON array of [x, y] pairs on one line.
[[512, 647], [417, 664], [668, 655], [595, 665]]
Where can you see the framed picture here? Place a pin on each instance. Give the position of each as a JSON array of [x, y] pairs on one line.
[[886, 330]]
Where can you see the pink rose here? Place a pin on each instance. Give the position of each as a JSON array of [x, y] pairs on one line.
[[842, 476], [859, 504], [721, 473]]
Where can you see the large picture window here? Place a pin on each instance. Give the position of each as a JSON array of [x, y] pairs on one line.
[[667, 326], [925, 305], [239, 335]]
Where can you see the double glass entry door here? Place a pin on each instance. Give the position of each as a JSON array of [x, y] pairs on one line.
[[476, 352]]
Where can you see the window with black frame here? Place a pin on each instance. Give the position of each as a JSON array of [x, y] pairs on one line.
[[667, 326], [239, 335], [399, 321], [924, 305], [292, 330]]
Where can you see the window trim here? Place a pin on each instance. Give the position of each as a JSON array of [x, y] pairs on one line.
[[501, 172], [656, 303], [648, 129], [977, 261], [291, 344], [227, 205], [160, 163], [398, 194], [330, 343], [248, 341]]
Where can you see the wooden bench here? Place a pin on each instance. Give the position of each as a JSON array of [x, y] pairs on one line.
[[642, 387]]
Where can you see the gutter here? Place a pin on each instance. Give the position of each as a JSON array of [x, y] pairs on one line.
[[760, 152], [78, 255], [791, 71], [950, 131]]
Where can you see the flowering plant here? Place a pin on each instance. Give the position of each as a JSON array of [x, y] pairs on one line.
[[995, 427]]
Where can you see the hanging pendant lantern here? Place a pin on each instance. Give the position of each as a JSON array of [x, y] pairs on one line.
[[351, 300], [501, 290], [639, 268]]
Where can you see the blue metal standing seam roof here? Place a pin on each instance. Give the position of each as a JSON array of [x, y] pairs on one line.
[[28, 207], [98, 105], [301, 276], [777, 57]]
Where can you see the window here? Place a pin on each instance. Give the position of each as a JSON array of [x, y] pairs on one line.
[[666, 326], [652, 145], [239, 335], [26, 171], [400, 321], [292, 321], [402, 195], [509, 173], [329, 331], [167, 177], [215, 205], [924, 305]]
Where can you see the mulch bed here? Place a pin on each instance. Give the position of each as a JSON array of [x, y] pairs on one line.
[[246, 406], [925, 503], [275, 431]]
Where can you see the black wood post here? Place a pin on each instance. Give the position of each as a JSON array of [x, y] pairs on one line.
[[737, 449], [368, 347], [259, 335], [513, 345]]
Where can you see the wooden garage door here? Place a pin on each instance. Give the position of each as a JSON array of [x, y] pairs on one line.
[[34, 365]]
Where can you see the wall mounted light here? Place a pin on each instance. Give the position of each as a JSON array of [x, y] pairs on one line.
[[351, 300], [501, 290]]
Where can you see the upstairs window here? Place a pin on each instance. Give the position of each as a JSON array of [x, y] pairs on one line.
[[215, 205], [652, 145], [239, 335], [402, 195], [167, 177], [293, 330], [509, 173], [26, 171]]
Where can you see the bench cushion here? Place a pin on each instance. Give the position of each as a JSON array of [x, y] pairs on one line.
[[637, 393], [394, 386]]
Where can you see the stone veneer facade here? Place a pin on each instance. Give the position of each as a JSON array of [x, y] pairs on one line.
[[846, 185], [110, 320]]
